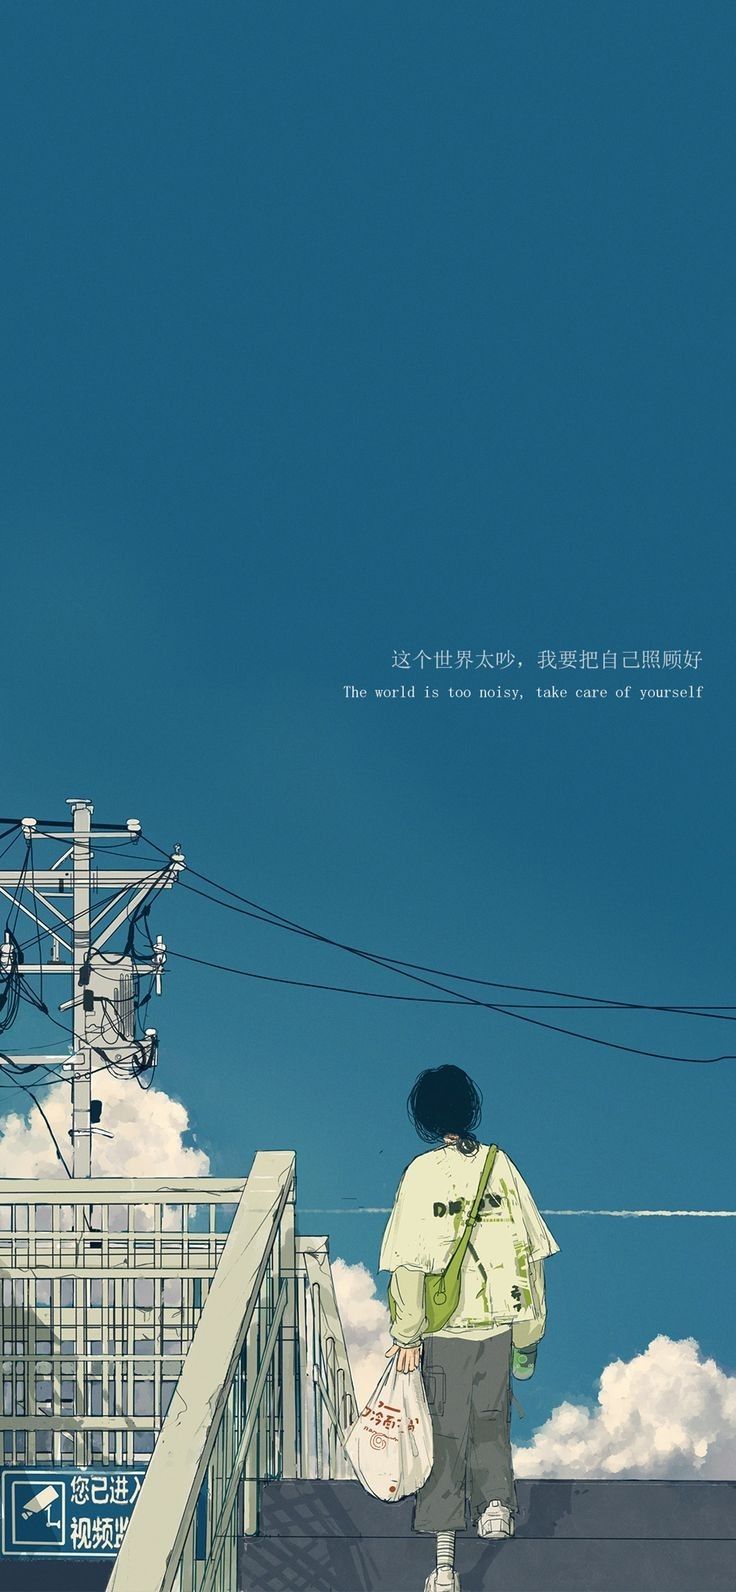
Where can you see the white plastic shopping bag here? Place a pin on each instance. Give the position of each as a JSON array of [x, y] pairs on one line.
[[390, 1445]]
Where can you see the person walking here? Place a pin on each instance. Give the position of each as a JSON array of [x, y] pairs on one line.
[[465, 1245]]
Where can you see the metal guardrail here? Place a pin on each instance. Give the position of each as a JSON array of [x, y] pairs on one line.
[[102, 1282], [329, 1404], [265, 1391]]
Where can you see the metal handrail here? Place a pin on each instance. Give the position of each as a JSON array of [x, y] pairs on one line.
[[249, 1432], [331, 1374], [160, 1550], [266, 1390]]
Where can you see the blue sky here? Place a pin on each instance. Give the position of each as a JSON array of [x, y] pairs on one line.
[[332, 330]]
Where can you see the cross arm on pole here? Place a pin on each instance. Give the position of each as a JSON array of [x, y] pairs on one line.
[[10, 1061], [61, 882], [128, 910], [66, 967], [33, 917]]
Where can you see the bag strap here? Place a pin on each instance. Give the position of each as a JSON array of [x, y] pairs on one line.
[[458, 1252]]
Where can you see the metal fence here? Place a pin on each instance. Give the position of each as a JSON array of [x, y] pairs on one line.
[[103, 1284], [265, 1391]]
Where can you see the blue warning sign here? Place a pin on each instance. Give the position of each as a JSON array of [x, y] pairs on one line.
[[66, 1511]]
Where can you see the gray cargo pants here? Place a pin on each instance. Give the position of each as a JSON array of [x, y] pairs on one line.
[[468, 1387]]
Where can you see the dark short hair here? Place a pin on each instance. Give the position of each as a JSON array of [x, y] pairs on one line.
[[445, 1100]]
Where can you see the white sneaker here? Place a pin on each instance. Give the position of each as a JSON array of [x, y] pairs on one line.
[[496, 1521], [442, 1581]]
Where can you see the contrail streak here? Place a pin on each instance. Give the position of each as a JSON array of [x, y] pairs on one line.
[[384, 1210], [639, 1213]]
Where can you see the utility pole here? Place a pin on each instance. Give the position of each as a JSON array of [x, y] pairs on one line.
[[81, 1129], [98, 987]]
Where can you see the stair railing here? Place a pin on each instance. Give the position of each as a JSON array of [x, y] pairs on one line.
[[329, 1404], [234, 1417], [265, 1392]]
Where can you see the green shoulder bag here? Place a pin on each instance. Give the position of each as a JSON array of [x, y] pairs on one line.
[[442, 1288]]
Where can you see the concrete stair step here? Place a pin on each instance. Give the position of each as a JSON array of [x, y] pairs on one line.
[[576, 1509], [401, 1564], [626, 1536]]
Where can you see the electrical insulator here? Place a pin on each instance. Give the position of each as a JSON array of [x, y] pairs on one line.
[[133, 826], [178, 860], [8, 957], [150, 1046], [28, 825], [159, 960]]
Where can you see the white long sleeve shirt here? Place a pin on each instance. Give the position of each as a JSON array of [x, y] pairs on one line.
[[502, 1280]]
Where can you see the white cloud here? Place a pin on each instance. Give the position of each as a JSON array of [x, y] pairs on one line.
[[667, 1413], [365, 1321], [149, 1130]]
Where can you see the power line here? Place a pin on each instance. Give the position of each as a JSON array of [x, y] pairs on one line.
[[42, 1113], [372, 994], [456, 999], [113, 895], [97, 1050], [74, 918], [15, 834], [38, 925], [57, 1146], [591, 1002], [51, 1075], [401, 968], [300, 983], [122, 845], [131, 1064], [15, 900]]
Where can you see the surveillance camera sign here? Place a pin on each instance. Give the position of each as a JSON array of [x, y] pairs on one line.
[[67, 1512]]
